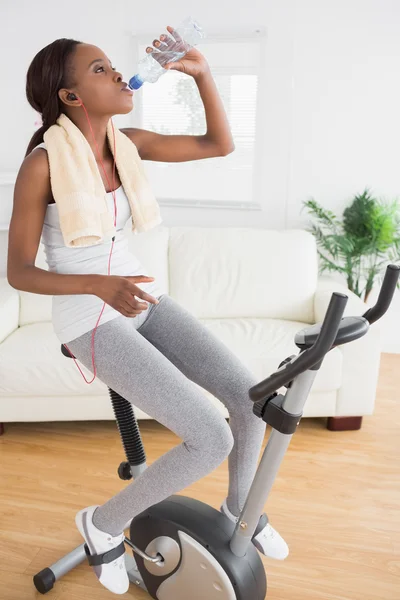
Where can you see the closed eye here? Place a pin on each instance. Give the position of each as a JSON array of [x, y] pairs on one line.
[[113, 68]]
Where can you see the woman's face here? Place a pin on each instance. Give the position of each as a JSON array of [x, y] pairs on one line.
[[99, 84]]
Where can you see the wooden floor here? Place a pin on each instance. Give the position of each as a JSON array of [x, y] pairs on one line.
[[336, 502]]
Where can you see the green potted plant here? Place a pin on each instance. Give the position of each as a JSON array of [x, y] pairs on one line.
[[367, 238]]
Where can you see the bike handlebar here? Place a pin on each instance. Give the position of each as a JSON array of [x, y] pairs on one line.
[[385, 295], [310, 356], [327, 336]]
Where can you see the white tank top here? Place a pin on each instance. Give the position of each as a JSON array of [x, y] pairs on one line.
[[75, 314]]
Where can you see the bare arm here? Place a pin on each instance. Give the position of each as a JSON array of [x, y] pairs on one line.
[[31, 196], [217, 141], [39, 281]]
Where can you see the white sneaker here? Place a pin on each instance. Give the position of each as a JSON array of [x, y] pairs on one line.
[[267, 541], [113, 575]]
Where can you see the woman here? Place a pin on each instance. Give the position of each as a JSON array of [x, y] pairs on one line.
[[150, 354]]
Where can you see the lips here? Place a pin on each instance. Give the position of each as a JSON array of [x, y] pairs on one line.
[[125, 88]]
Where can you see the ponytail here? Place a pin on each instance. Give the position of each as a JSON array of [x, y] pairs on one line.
[[36, 139]]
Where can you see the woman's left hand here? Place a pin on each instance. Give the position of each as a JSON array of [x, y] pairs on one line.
[[193, 63]]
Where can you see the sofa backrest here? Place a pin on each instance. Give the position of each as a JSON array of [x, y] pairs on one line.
[[219, 273], [243, 272]]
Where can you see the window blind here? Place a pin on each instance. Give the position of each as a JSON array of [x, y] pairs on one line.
[[173, 106]]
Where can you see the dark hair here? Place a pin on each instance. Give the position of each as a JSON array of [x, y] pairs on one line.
[[50, 70]]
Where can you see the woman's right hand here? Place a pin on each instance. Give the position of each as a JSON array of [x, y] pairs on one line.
[[120, 291]]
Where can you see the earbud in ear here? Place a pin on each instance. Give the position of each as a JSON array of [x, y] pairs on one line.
[[72, 97]]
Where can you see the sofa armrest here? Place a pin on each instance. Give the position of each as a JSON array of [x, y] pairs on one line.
[[323, 293], [9, 308], [361, 358]]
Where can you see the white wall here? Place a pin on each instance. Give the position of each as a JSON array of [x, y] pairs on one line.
[[330, 123]]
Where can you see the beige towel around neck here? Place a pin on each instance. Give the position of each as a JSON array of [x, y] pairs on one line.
[[79, 191]]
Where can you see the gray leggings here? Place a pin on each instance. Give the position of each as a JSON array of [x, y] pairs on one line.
[[153, 365]]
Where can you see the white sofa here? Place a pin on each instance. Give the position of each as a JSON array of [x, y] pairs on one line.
[[254, 288]]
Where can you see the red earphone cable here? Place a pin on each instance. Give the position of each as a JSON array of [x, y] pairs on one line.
[[112, 245]]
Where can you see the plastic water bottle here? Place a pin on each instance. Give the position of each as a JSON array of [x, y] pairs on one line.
[[150, 68]]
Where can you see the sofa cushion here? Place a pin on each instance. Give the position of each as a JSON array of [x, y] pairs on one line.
[[262, 344], [244, 272], [32, 362]]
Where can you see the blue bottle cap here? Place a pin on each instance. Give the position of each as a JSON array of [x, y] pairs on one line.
[[136, 82]]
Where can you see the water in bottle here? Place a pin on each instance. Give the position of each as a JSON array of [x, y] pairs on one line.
[[151, 67]]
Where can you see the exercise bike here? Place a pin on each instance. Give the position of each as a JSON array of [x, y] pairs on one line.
[[186, 549]]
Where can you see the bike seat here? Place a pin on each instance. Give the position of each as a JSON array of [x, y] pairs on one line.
[[66, 352], [350, 328]]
